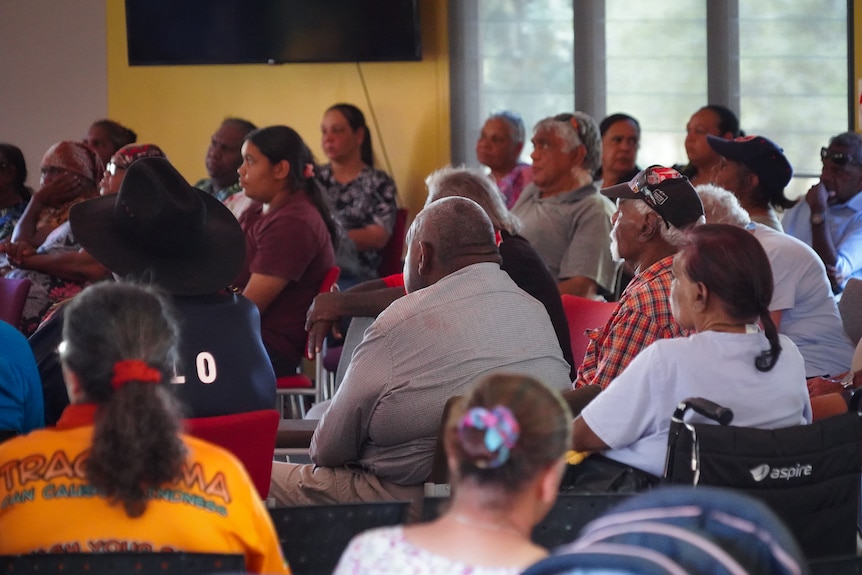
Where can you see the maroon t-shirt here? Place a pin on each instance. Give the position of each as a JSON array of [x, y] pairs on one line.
[[289, 242]]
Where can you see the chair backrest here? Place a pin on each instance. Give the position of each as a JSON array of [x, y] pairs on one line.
[[249, 436], [681, 530], [127, 563], [390, 255], [850, 308], [808, 474], [583, 314], [313, 537], [13, 296]]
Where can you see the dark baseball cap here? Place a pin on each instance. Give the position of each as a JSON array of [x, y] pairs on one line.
[[664, 190], [760, 155]]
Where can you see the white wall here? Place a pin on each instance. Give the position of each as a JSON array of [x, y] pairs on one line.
[[53, 65]]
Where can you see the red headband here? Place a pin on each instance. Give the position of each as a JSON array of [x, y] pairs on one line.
[[134, 370]]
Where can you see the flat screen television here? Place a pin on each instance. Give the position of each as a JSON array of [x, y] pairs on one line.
[[184, 32]]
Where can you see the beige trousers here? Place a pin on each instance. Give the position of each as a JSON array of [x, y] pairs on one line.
[[295, 484]]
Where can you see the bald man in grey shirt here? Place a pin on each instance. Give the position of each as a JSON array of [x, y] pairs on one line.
[[462, 319]]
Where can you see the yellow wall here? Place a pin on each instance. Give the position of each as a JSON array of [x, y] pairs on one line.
[[179, 107]]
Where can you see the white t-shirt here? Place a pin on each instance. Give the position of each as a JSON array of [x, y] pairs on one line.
[[632, 415], [809, 314]]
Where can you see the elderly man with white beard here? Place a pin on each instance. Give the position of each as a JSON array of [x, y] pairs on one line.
[[653, 210]]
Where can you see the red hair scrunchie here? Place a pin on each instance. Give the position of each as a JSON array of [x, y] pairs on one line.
[[134, 370]]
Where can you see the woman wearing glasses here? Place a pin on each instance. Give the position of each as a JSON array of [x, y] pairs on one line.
[[830, 218], [58, 268]]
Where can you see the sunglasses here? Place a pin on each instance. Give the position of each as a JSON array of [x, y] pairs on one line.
[[113, 168], [837, 158]]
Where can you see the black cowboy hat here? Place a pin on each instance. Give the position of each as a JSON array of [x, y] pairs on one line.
[[160, 229]]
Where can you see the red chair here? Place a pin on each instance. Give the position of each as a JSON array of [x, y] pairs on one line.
[[583, 314], [13, 296], [298, 384], [249, 436], [390, 260]]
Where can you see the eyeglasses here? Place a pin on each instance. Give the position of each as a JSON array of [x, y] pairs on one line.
[[837, 158], [112, 168]]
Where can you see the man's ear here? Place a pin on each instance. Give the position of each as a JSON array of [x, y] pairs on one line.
[[578, 155], [650, 226], [426, 258]]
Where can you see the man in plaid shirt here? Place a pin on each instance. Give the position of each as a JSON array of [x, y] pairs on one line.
[[653, 210]]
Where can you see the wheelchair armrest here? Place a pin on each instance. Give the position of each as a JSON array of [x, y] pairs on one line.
[[723, 415], [855, 400]]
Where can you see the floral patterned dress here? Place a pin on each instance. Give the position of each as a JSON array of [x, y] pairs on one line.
[[385, 551], [46, 289]]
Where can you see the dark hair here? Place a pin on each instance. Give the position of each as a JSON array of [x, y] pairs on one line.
[[545, 424], [15, 157], [118, 134], [734, 267], [279, 143], [356, 119], [850, 140], [727, 120], [136, 444], [609, 121], [244, 125]]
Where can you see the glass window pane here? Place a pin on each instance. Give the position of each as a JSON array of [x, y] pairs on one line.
[[793, 77], [656, 70], [526, 53]]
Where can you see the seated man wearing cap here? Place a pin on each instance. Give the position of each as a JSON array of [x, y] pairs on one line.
[[562, 213], [652, 212], [161, 230], [830, 218], [756, 171]]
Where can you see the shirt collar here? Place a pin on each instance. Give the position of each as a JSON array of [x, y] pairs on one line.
[[77, 415], [854, 203]]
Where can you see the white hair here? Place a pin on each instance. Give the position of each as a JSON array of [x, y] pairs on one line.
[[669, 233], [721, 206]]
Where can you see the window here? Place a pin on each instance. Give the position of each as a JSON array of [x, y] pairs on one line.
[[786, 66]]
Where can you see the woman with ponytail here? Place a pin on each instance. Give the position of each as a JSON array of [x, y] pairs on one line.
[[290, 238], [721, 289], [504, 444], [116, 473]]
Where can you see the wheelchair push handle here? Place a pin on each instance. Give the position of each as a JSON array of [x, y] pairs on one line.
[[710, 409]]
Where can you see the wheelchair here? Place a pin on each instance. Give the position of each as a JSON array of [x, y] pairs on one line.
[[809, 475]]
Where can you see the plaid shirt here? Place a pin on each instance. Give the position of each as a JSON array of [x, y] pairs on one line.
[[642, 316]]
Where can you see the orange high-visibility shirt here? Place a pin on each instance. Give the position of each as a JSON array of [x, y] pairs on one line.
[[47, 505]]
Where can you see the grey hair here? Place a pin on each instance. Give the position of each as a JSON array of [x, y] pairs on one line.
[[669, 233], [721, 206], [587, 134], [513, 121], [472, 183], [454, 226], [850, 140]]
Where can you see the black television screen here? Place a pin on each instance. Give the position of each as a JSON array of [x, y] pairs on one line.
[[172, 32]]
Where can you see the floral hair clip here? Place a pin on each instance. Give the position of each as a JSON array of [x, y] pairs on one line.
[[501, 431], [308, 172]]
